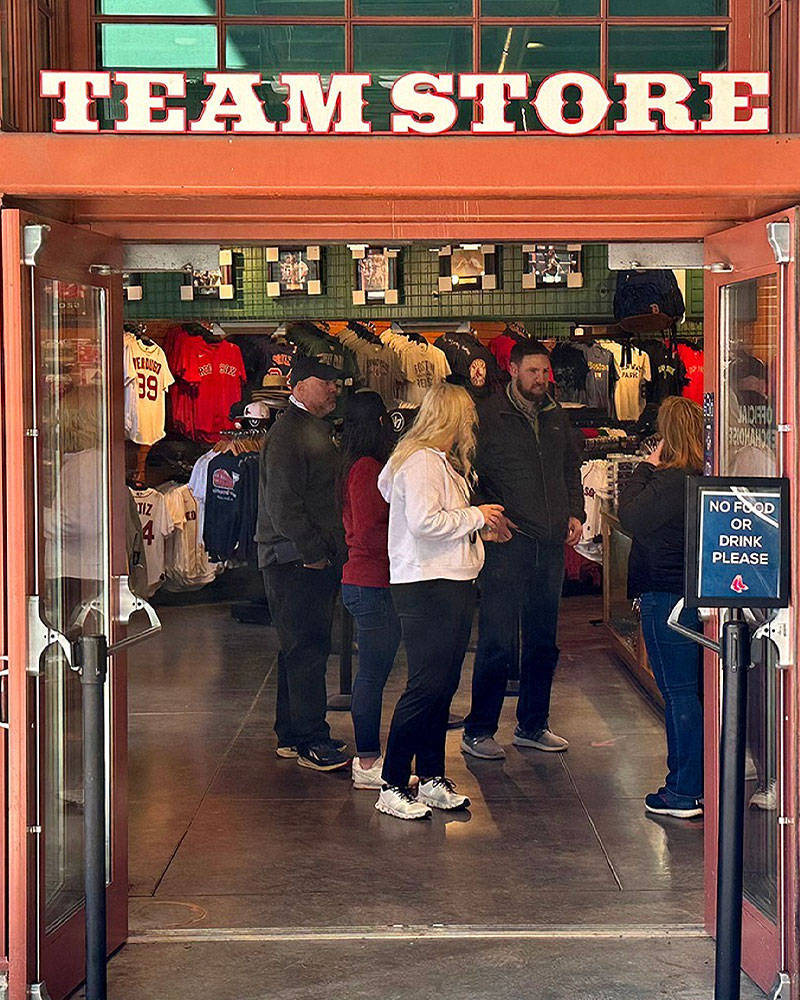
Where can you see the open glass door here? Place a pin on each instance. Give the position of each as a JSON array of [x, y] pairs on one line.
[[66, 510], [751, 368]]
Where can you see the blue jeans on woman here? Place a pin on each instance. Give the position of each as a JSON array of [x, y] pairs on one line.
[[676, 665], [378, 629]]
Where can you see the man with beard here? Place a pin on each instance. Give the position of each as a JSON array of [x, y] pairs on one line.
[[528, 461]]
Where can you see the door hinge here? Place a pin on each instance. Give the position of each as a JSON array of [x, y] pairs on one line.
[[35, 831], [33, 243], [4, 723], [785, 821], [32, 432], [781, 987]]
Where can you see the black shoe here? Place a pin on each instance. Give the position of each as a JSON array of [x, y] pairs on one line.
[[322, 756], [339, 745]]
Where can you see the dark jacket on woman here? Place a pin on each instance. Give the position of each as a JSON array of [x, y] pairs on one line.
[[652, 507]]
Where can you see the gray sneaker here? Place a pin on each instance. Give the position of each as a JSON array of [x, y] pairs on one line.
[[543, 739], [482, 746]]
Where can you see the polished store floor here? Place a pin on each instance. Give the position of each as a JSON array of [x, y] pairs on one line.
[[252, 877]]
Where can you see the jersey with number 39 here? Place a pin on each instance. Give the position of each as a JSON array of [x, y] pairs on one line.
[[147, 379]]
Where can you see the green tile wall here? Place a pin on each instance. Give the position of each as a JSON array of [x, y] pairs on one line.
[[548, 311]]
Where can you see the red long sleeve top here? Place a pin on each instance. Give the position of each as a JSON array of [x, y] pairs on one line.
[[366, 526]]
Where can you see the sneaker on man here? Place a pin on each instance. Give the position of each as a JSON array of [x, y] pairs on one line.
[[290, 752], [484, 747], [400, 802], [367, 777], [440, 793], [667, 803], [322, 756], [765, 797], [542, 739]]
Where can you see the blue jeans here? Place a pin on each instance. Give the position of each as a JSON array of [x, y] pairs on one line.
[[378, 630], [676, 665]]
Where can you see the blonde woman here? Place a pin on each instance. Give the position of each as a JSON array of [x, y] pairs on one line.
[[652, 508], [435, 554]]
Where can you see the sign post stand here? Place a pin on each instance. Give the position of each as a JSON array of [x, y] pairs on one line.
[[735, 665], [737, 556]]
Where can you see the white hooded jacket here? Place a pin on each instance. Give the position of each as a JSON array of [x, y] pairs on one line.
[[433, 530]]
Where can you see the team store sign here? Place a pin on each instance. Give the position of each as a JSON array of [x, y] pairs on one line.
[[424, 103]]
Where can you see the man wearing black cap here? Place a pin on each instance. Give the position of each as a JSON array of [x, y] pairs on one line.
[[300, 550]]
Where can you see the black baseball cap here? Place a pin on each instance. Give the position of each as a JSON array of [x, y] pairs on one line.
[[305, 367]]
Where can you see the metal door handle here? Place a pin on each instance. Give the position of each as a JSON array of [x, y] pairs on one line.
[[129, 604]]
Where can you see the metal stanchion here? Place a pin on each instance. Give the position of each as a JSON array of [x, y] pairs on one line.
[[341, 702], [730, 857], [734, 651], [91, 661]]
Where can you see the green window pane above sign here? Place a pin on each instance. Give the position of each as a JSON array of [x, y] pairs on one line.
[[283, 48], [413, 8], [540, 8], [668, 8], [157, 8], [284, 8], [157, 46]]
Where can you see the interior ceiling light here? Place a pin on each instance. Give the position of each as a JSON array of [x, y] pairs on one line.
[[535, 45]]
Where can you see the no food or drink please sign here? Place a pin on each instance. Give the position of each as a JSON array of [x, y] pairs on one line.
[[737, 543]]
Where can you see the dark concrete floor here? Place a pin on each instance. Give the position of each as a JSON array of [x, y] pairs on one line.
[[225, 837]]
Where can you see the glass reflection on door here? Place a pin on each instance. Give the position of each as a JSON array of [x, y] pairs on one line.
[[73, 559], [748, 447]]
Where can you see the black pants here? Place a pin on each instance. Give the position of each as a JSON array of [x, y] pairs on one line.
[[436, 619], [302, 603], [520, 589]]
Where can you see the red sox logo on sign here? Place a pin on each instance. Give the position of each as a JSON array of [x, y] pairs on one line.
[[738, 586]]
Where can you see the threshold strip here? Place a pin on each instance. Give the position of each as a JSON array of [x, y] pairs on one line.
[[436, 932]]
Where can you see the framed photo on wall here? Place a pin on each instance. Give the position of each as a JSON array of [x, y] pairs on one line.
[[294, 271], [552, 265], [217, 284], [470, 266], [377, 275]]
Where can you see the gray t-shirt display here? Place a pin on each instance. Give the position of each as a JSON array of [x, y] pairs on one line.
[[599, 392]]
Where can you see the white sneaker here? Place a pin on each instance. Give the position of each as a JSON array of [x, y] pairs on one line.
[[765, 797], [441, 794], [401, 803], [367, 777]]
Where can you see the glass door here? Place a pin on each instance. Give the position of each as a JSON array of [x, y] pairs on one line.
[[62, 304], [751, 369]]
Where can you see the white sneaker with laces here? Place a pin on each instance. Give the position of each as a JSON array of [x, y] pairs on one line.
[[367, 777], [765, 797], [401, 803], [441, 794]]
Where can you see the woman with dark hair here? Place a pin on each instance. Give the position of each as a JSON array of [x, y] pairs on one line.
[[652, 507], [365, 577]]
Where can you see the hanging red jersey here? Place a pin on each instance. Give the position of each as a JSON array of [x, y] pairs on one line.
[[692, 358]]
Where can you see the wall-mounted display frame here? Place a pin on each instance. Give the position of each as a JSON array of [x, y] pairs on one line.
[[377, 275], [133, 286], [470, 267], [294, 271], [218, 284], [552, 265]]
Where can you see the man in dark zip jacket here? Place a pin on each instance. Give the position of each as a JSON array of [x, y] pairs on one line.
[[527, 460]]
